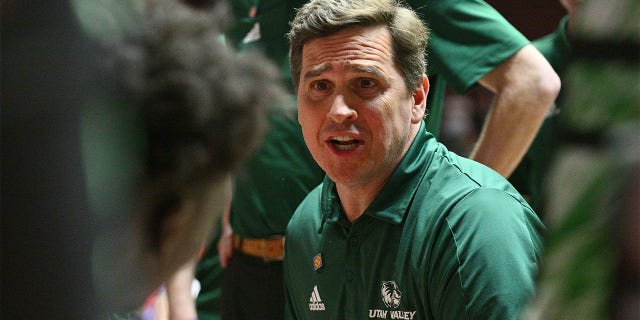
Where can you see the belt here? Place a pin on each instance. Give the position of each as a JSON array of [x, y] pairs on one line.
[[270, 249]]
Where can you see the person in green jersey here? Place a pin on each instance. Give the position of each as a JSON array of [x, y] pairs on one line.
[[279, 175], [400, 228]]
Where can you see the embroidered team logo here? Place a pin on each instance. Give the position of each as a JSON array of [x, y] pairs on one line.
[[315, 303], [391, 294]]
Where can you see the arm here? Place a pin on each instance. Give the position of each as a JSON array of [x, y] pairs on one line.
[[182, 305], [556, 49], [225, 244], [525, 87], [472, 43]]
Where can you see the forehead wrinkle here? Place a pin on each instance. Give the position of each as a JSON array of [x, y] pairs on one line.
[[346, 48]]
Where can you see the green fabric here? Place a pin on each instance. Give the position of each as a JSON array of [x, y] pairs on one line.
[[530, 176], [555, 47], [272, 17], [274, 180], [433, 231], [467, 40], [460, 52]]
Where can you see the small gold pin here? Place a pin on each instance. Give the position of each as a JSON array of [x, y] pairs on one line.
[[317, 262], [253, 11]]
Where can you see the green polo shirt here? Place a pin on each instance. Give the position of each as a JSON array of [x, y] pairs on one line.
[[446, 238]]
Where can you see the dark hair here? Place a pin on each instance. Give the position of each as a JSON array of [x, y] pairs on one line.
[[202, 104], [319, 18]]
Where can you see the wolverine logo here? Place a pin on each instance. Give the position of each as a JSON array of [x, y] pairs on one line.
[[391, 294]]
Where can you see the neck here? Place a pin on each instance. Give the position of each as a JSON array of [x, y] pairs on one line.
[[356, 199]]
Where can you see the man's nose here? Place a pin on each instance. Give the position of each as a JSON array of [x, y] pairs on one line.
[[341, 111]]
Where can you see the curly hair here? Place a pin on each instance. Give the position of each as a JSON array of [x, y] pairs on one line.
[[202, 104]]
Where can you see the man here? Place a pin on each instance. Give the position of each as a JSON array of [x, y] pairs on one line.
[[281, 172], [400, 227]]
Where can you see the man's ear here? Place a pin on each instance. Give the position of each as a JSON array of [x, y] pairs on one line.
[[420, 100]]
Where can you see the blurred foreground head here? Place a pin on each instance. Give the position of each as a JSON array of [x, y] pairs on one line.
[[161, 146]]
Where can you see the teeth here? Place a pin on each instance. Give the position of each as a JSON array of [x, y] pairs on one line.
[[345, 147], [344, 143]]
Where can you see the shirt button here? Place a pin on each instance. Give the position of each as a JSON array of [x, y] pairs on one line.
[[353, 242]]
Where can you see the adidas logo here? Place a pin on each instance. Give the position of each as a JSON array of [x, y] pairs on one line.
[[315, 303]]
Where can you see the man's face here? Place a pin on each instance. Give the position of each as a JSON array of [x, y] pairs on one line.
[[357, 116]]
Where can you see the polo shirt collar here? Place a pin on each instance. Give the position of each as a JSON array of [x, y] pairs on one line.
[[390, 205]]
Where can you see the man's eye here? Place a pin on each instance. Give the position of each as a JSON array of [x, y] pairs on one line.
[[367, 83], [320, 85]]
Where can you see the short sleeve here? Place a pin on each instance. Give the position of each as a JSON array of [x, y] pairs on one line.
[[467, 39], [555, 46]]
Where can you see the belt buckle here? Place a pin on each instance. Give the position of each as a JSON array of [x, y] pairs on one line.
[[263, 246]]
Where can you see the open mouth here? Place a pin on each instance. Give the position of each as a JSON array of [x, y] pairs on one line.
[[344, 143]]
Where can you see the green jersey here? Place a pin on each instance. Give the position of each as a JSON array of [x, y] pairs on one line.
[[446, 238]]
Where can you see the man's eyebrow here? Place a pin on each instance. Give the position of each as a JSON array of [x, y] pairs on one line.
[[367, 69], [316, 71], [357, 68]]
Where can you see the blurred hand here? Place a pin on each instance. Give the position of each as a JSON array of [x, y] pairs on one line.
[[180, 301], [225, 243]]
